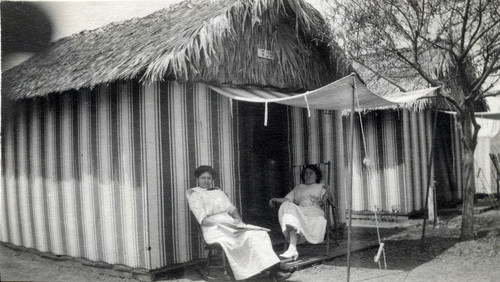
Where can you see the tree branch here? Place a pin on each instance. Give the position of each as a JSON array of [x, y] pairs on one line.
[[453, 102], [476, 85], [408, 21], [422, 73], [381, 76], [433, 43], [482, 34], [467, 49], [494, 94], [464, 26]]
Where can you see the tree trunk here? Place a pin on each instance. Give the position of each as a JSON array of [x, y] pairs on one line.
[[467, 229]]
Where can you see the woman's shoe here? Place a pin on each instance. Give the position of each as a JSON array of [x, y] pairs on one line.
[[294, 255], [281, 276], [287, 268]]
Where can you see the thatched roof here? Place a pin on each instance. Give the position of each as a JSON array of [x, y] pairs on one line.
[[198, 40], [394, 80]]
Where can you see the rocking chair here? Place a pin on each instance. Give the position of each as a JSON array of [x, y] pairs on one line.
[[332, 231], [216, 260]]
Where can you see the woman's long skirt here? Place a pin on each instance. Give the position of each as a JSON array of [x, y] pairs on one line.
[[309, 222], [248, 252]]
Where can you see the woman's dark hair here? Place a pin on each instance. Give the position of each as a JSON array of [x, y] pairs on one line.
[[316, 170], [202, 169]]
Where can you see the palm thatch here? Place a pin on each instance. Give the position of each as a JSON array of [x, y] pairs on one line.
[[198, 40], [394, 82]]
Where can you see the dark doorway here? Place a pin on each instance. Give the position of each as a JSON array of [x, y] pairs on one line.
[[264, 161], [444, 175]]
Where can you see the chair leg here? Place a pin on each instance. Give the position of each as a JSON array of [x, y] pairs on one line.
[[224, 265], [216, 260], [328, 244], [498, 187]]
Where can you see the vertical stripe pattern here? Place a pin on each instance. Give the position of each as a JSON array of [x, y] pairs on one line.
[[102, 173], [391, 154], [11, 208], [68, 185], [318, 139], [87, 180], [24, 195], [35, 152]]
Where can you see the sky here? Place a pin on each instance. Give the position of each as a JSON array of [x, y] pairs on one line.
[[70, 17]]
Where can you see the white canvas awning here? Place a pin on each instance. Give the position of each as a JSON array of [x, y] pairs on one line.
[[334, 96], [482, 115], [488, 115]]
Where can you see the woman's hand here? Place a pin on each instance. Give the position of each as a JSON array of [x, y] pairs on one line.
[[272, 201], [231, 222], [207, 221], [326, 197], [277, 200], [236, 217]]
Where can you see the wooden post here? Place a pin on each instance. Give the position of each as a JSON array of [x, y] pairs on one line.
[[430, 175], [430, 204], [349, 182]]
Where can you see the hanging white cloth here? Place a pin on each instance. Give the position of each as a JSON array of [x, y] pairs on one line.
[[334, 96]]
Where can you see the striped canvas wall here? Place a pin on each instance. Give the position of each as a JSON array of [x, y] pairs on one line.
[[397, 144], [101, 174]]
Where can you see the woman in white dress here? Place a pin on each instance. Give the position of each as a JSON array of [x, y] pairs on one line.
[[249, 252], [301, 216]]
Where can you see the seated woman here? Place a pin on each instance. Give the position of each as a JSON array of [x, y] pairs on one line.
[[301, 216], [249, 252]]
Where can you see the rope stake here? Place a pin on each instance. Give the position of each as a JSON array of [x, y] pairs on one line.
[[381, 249]]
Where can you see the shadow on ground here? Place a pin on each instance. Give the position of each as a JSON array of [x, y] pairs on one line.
[[400, 254]]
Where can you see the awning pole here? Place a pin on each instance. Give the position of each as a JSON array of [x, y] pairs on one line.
[[351, 170], [429, 179]]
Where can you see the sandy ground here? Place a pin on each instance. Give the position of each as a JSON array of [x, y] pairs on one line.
[[441, 258]]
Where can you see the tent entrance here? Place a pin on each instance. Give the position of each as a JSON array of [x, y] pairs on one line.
[[445, 176], [264, 165]]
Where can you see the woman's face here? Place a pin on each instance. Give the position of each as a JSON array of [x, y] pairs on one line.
[[309, 176], [205, 180]]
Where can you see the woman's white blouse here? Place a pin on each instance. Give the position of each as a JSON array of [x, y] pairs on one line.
[[205, 203]]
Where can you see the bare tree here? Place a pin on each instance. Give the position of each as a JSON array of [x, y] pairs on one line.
[[450, 43]]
